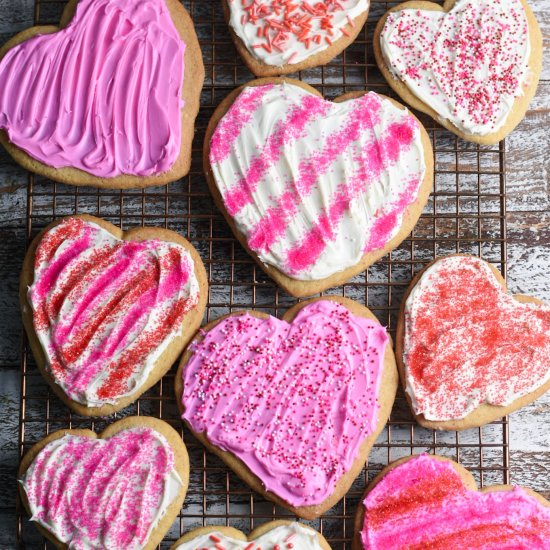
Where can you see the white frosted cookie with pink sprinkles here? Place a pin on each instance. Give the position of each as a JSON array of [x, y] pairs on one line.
[[108, 312], [316, 190], [292, 405], [472, 65], [469, 352], [121, 489], [276, 37]]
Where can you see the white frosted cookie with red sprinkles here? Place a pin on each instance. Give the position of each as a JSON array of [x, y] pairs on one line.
[[276, 37], [274, 535], [468, 351], [292, 405], [472, 65], [316, 190]]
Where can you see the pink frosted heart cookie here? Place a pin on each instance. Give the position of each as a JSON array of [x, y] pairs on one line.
[[294, 405], [284, 535], [472, 65], [108, 98], [276, 37], [469, 352], [316, 190], [108, 312], [432, 502], [119, 490]]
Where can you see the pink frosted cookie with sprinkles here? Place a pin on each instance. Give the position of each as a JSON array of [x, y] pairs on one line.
[[316, 190], [429, 501], [472, 65], [107, 98], [107, 312], [121, 489], [468, 351], [276, 37], [294, 405], [280, 535]]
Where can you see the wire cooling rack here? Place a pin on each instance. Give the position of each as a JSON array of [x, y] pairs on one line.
[[465, 213]]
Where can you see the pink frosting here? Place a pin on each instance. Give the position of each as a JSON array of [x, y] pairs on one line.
[[102, 493], [294, 401], [423, 503], [103, 94], [104, 308]]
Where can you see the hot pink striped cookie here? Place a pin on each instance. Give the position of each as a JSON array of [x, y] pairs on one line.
[[315, 190], [108, 312], [426, 501], [119, 490]]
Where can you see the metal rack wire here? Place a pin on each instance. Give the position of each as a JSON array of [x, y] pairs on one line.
[[466, 213]]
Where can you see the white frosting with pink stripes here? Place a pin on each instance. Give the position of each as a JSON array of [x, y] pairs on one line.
[[314, 185]]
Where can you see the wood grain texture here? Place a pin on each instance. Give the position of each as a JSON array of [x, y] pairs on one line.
[[528, 175]]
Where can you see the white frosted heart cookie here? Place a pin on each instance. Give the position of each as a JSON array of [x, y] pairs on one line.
[[472, 65], [284, 535], [276, 37], [468, 351], [121, 489], [108, 98], [292, 405], [316, 190], [108, 312]]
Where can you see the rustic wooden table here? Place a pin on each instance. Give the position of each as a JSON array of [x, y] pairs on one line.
[[528, 232]]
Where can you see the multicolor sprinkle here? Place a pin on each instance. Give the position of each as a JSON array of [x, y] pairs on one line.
[[294, 401], [468, 65]]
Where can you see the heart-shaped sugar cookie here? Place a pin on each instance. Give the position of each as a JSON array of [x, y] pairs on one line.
[[316, 190], [108, 98], [432, 502], [284, 535], [276, 37], [108, 312], [472, 65], [292, 405], [469, 352], [120, 490]]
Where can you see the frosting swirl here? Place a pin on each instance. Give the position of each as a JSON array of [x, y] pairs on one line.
[[314, 185], [104, 310], [111, 493], [294, 401], [102, 94], [424, 503]]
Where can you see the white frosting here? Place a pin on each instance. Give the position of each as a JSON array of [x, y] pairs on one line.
[[480, 49], [52, 483], [88, 394], [300, 537], [493, 394], [291, 51], [375, 191]]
